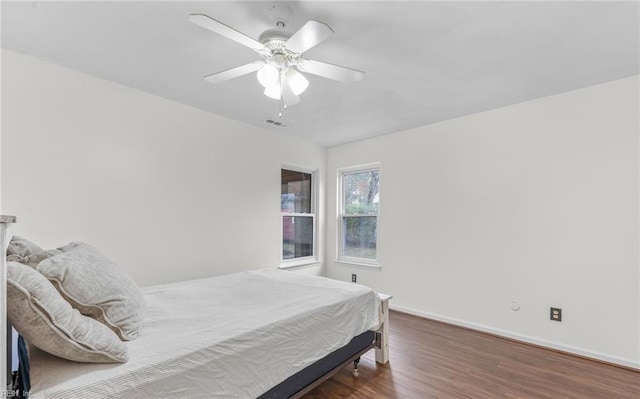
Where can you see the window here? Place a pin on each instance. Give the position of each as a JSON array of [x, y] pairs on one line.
[[359, 207], [297, 204]]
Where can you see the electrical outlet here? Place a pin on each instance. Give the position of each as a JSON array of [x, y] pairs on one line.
[[353, 278], [556, 314]]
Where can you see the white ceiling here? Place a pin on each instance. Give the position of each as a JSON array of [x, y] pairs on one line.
[[425, 61]]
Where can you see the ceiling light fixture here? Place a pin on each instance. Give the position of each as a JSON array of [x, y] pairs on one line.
[[268, 75], [281, 53], [296, 81], [277, 77]]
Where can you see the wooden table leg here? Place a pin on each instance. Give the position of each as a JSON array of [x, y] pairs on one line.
[[382, 352]]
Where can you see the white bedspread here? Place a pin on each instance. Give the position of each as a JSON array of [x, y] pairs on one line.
[[233, 336]]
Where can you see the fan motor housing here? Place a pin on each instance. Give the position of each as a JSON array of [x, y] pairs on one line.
[[272, 35], [275, 40]]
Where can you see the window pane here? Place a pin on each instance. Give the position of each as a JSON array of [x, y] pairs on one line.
[[297, 236], [360, 235], [296, 192], [361, 192]]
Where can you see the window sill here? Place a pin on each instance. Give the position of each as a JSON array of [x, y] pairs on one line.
[[299, 263], [363, 265]]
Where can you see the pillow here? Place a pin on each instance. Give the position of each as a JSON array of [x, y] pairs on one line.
[[47, 321], [96, 287], [24, 251], [20, 248], [34, 260]]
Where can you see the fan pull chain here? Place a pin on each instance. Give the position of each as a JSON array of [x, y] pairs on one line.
[[283, 103], [283, 107]]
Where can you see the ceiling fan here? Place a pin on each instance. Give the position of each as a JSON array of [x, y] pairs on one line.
[[282, 62]]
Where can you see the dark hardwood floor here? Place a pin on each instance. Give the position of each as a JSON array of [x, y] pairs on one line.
[[435, 360]]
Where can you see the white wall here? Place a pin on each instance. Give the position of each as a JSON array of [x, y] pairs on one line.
[[535, 203], [168, 191]]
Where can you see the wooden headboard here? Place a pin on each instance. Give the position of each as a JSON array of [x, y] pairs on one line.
[[5, 238]]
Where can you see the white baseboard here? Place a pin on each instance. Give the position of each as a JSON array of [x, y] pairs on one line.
[[521, 337]]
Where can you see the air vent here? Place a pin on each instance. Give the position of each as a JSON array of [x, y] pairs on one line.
[[277, 123]]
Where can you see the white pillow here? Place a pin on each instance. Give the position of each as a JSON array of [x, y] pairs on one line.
[[20, 248], [96, 287], [26, 252], [46, 320]]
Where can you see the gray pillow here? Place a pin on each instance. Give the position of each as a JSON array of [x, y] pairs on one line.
[[20, 248], [96, 287], [46, 320], [34, 260]]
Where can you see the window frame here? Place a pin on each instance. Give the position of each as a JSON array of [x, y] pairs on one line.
[[340, 238], [314, 258]]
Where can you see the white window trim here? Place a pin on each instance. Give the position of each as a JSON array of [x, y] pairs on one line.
[[360, 262], [307, 260]]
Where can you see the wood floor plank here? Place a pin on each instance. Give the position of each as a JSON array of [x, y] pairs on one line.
[[433, 360]]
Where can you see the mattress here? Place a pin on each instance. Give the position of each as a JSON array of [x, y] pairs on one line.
[[232, 336]]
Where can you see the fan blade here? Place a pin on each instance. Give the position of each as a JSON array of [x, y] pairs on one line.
[[224, 30], [310, 35], [289, 97], [234, 72], [335, 72]]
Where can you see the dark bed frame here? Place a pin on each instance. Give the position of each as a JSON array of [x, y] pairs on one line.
[[313, 375]]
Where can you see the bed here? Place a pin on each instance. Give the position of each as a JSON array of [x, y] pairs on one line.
[[207, 338]]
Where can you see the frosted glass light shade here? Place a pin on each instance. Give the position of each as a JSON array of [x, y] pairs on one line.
[[272, 91], [268, 75], [296, 81]]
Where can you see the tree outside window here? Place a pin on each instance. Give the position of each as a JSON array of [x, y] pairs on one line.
[[360, 204]]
